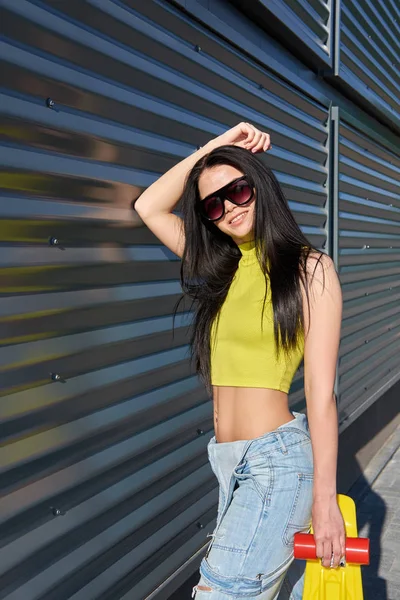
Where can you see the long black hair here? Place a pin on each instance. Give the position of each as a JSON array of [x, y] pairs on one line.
[[210, 258]]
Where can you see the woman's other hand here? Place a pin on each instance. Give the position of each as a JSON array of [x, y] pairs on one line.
[[246, 136], [329, 531]]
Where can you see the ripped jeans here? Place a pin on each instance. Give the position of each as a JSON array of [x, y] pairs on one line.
[[265, 496]]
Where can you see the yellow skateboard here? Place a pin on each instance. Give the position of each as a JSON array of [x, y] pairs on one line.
[[343, 583]]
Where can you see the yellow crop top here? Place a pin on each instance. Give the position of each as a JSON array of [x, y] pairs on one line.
[[243, 354]]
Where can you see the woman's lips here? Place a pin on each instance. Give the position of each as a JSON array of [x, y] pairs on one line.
[[238, 219]]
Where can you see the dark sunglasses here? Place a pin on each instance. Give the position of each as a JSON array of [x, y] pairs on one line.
[[239, 192]]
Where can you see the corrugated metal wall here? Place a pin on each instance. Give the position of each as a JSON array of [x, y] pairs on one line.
[[369, 267], [370, 53], [106, 492], [305, 25]]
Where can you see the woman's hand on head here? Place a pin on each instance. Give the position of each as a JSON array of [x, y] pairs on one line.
[[246, 136], [329, 531]]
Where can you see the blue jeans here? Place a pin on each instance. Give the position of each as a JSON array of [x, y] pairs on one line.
[[265, 496]]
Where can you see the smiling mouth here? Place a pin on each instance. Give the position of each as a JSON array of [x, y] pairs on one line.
[[238, 219]]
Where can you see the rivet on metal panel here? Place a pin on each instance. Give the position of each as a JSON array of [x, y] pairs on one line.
[[53, 241], [57, 377], [200, 432], [50, 103], [197, 48], [200, 525], [57, 512]]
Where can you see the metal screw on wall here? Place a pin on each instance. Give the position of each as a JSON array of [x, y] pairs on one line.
[[56, 377], [51, 104], [57, 512], [55, 243]]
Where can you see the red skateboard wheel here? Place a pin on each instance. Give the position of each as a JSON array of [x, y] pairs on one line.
[[357, 549]]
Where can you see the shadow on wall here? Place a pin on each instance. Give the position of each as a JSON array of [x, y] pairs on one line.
[[358, 444]]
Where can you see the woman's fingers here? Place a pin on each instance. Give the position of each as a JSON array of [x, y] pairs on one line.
[[319, 548], [327, 554], [247, 136], [336, 552], [342, 542], [259, 141], [331, 551], [251, 133], [267, 143], [255, 141]]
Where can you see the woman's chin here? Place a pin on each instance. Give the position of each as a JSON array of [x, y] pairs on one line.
[[242, 237]]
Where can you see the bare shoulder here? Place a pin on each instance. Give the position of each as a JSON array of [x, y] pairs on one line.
[[321, 273], [319, 262]]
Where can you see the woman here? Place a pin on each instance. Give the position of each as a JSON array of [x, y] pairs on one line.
[[265, 299]]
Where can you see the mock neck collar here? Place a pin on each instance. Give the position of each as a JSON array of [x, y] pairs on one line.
[[248, 250]]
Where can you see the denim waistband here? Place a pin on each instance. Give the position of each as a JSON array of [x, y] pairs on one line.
[[224, 456], [299, 422]]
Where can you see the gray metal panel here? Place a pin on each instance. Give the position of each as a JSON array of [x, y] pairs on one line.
[[305, 26], [106, 490], [369, 260], [370, 54]]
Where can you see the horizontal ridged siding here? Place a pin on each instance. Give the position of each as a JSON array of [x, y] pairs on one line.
[[106, 487], [369, 261], [370, 53], [304, 26]]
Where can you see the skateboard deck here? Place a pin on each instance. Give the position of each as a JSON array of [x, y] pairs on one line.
[[343, 583]]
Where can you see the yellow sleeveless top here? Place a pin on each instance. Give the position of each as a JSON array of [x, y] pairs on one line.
[[242, 353]]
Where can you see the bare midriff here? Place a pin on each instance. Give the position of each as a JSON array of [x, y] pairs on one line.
[[246, 413]]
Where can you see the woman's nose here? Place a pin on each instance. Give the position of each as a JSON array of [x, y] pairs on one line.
[[229, 206]]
